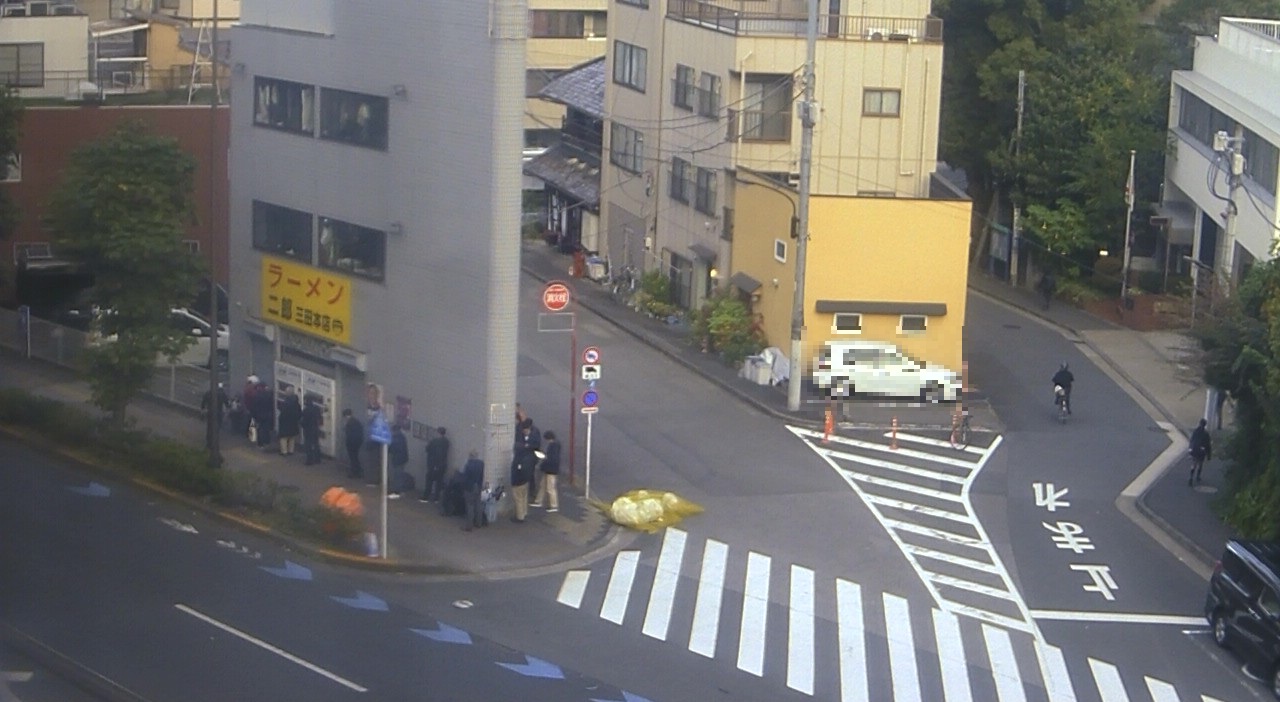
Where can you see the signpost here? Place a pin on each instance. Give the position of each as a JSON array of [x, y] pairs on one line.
[[590, 405], [555, 297], [380, 433]]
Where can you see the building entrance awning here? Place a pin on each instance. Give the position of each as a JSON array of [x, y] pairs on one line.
[[744, 282]]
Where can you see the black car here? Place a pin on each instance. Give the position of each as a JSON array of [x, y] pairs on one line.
[[1243, 606]]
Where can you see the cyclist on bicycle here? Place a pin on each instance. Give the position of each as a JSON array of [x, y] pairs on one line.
[[1063, 379]]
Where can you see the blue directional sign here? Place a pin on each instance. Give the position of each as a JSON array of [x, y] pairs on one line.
[[379, 430], [590, 398]]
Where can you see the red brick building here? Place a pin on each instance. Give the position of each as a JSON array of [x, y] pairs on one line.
[[51, 134]]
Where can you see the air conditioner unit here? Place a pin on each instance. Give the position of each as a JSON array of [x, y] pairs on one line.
[[38, 9], [64, 10], [15, 11]]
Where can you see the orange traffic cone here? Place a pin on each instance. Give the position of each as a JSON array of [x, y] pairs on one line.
[[828, 426]]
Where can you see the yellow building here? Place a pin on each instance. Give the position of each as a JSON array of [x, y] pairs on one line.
[[877, 268]]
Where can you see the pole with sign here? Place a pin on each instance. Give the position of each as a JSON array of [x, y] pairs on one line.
[[590, 405], [556, 298], [380, 433]]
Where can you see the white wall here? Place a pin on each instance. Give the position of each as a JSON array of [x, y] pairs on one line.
[[314, 16], [66, 50]]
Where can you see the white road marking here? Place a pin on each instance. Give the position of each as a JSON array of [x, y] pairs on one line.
[[953, 559], [1206, 698], [614, 608], [268, 647], [573, 588], [900, 467], [908, 487], [951, 660], [917, 508], [755, 613], [853, 643], [800, 631], [1004, 666], [16, 676], [969, 585], [909, 453], [1110, 686], [929, 441], [706, 610], [662, 597], [1161, 691], [1117, 617], [949, 536], [902, 649], [1053, 669]]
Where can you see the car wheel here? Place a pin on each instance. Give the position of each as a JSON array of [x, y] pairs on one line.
[[844, 388], [1219, 624], [932, 394]]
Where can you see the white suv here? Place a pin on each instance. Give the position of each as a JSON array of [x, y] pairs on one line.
[[846, 368]]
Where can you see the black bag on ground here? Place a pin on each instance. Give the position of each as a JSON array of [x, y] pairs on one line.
[[454, 503]]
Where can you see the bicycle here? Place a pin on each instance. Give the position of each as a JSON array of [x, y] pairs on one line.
[[1063, 401], [960, 430], [624, 284]]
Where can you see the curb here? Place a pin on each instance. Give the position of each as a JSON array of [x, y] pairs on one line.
[[1201, 561], [664, 348], [606, 537]]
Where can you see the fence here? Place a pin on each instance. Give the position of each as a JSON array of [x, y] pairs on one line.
[[39, 338]]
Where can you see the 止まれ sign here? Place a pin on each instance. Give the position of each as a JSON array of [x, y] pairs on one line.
[[307, 299]]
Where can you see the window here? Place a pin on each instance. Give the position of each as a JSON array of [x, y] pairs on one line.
[[705, 198], [31, 251], [13, 169], [847, 323], [709, 96], [281, 230], [780, 250], [637, 3], [556, 24], [766, 113], [684, 92], [629, 65], [680, 180], [881, 103], [912, 323], [22, 65], [285, 105], [626, 148], [1201, 121], [353, 249], [353, 118]]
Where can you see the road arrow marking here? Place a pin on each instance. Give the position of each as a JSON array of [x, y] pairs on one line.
[[445, 634], [180, 526], [92, 490], [15, 676], [535, 668], [626, 697], [291, 571], [362, 600]]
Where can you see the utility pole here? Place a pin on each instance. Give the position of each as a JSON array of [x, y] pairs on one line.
[[808, 114], [1128, 231], [1014, 236], [213, 429]]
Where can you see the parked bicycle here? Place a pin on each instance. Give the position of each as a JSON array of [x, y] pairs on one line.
[[623, 284]]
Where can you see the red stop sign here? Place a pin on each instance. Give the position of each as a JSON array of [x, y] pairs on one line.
[[555, 297]]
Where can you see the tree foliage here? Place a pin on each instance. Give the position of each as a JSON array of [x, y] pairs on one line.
[[122, 208], [10, 131]]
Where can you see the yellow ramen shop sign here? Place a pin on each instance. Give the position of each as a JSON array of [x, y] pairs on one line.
[[307, 299]]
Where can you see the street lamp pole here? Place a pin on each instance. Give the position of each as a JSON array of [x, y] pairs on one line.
[[807, 119], [213, 428]]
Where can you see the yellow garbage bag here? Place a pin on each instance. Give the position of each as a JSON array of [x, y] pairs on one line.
[[650, 510]]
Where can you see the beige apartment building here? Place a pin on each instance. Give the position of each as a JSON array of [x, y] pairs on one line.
[[562, 34], [697, 88]]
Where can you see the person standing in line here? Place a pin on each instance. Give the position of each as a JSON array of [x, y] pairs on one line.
[[398, 457], [263, 411], [437, 466], [207, 404], [290, 419], [472, 482], [1201, 446], [550, 468], [353, 432], [527, 442], [521, 475], [312, 418]]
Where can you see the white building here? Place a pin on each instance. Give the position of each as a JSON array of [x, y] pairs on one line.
[[44, 48], [374, 210], [1231, 88]]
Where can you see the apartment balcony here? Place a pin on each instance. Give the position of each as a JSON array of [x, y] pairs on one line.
[[790, 20]]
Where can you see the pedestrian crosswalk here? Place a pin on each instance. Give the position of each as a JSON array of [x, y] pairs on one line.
[[836, 640]]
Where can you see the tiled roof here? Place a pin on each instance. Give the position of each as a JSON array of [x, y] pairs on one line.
[[559, 168], [580, 87]]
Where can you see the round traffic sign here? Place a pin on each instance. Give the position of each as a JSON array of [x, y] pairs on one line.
[[591, 355], [590, 398], [555, 297]]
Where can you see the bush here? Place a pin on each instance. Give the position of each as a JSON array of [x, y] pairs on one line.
[[1077, 293], [725, 326], [654, 296]]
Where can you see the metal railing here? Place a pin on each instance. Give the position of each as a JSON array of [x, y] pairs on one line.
[[39, 338], [122, 79], [729, 17]]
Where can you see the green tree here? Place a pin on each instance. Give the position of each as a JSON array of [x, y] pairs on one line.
[[122, 208]]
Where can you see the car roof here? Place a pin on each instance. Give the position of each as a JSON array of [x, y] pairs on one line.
[[1262, 556]]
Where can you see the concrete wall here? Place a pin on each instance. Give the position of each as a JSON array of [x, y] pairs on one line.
[[441, 328]]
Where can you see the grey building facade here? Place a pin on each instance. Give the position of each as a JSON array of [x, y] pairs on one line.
[[374, 211]]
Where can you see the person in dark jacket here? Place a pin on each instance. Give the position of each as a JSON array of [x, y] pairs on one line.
[[437, 466], [312, 418], [353, 432], [221, 405], [472, 482], [521, 476], [290, 419], [528, 441], [262, 408], [550, 468], [1064, 379], [397, 457], [1201, 446]]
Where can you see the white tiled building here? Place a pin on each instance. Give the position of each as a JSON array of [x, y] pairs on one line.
[[1231, 87]]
